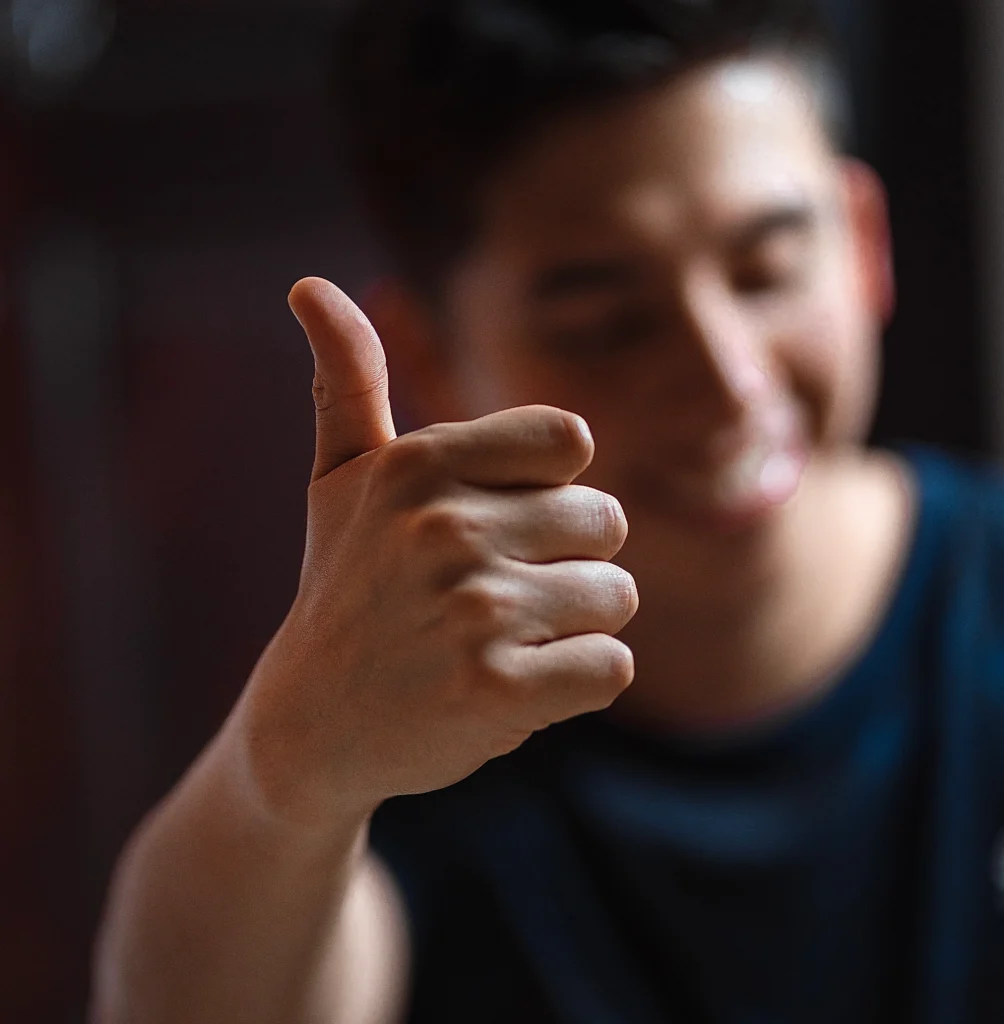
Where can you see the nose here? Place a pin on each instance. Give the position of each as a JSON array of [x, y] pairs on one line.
[[721, 353]]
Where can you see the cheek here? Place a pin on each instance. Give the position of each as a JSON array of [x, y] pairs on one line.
[[502, 371], [830, 362], [488, 376]]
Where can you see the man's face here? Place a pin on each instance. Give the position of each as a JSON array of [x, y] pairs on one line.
[[690, 270]]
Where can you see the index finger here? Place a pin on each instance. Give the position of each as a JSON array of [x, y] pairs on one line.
[[533, 446]]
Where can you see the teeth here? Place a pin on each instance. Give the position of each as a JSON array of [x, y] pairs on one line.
[[767, 470], [778, 477], [743, 477]]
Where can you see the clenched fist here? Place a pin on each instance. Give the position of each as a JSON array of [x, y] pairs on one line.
[[456, 592]]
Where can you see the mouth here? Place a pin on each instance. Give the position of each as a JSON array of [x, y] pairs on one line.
[[741, 489], [764, 474]]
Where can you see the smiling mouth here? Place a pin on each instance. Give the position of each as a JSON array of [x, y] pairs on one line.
[[762, 474], [761, 477]]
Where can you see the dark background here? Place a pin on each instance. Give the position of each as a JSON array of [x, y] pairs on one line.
[[166, 173]]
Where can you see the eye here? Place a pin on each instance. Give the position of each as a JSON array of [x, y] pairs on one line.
[[766, 279], [777, 265], [613, 334]]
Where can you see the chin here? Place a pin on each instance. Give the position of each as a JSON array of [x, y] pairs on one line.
[[683, 560]]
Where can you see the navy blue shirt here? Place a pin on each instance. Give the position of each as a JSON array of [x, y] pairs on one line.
[[845, 864]]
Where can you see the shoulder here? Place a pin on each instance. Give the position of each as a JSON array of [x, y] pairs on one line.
[[961, 518], [955, 486], [961, 526]]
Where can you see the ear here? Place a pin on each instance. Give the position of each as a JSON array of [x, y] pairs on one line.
[[417, 351], [868, 212]]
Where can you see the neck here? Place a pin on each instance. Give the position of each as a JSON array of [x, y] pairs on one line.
[[806, 598]]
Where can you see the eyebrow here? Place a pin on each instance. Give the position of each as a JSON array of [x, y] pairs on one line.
[[797, 216], [584, 277]]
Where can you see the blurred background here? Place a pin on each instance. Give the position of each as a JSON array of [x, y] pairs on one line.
[[167, 171]]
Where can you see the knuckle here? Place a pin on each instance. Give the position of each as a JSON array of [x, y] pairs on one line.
[[495, 675], [611, 671], [620, 666], [617, 592], [482, 605], [609, 521], [412, 456], [321, 393], [626, 593], [498, 675], [451, 528], [568, 433]]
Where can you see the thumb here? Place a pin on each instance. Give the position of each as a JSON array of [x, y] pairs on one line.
[[351, 396]]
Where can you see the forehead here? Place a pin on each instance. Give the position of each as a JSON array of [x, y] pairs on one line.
[[677, 163]]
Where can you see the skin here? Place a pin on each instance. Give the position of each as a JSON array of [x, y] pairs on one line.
[[459, 589], [693, 269]]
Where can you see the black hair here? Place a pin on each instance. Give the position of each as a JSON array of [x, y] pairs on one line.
[[434, 95]]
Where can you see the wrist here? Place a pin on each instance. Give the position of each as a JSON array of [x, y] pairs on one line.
[[286, 761]]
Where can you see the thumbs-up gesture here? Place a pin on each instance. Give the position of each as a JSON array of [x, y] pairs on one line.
[[456, 592]]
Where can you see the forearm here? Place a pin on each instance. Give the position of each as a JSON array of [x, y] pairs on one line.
[[456, 597], [221, 912]]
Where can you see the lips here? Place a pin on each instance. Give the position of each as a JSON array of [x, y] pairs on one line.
[[759, 474], [763, 473]]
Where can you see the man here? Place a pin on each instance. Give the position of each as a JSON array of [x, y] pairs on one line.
[[637, 212]]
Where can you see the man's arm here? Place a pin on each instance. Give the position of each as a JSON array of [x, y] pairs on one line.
[[221, 913], [456, 596], [364, 971]]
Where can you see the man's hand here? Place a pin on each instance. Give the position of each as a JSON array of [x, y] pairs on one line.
[[456, 593], [455, 596]]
